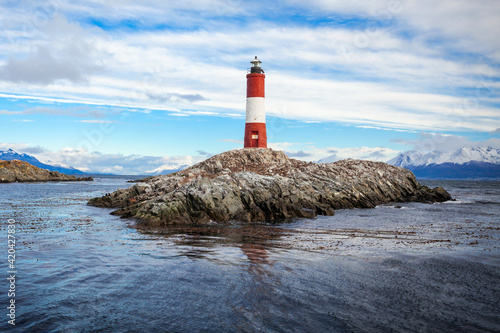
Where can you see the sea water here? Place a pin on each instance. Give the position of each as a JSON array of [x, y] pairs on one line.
[[401, 267]]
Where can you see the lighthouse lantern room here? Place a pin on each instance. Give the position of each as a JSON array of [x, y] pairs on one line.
[[255, 125]]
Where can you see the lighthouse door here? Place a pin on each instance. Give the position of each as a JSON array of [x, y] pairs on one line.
[[255, 139]]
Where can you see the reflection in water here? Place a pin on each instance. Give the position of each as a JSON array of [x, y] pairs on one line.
[[253, 240], [257, 255], [259, 292], [197, 242], [262, 287]]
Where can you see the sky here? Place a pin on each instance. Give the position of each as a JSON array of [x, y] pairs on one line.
[[131, 87]]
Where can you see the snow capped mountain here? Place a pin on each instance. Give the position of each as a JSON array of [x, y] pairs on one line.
[[482, 154], [461, 156], [10, 155], [168, 168], [464, 163]]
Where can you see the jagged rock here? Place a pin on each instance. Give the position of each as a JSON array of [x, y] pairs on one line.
[[263, 184], [20, 171]]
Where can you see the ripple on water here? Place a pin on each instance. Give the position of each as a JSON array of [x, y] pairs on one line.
[[404, 267]]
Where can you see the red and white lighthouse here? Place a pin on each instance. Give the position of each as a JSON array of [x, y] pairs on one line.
[[255, 125]]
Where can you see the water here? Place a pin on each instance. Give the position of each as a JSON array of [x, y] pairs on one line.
[[406, 267]]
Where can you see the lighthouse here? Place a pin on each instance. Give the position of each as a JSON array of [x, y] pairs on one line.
[[255, 125]]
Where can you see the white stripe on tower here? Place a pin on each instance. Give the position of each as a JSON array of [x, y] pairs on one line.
[[256, 110]]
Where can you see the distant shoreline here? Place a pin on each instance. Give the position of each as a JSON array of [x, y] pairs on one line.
[[16, 171]]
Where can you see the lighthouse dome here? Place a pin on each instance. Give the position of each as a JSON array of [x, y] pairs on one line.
[[256, 62], [256, 68]]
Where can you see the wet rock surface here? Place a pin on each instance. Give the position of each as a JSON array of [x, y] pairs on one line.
[[20, 171], [263, 184]]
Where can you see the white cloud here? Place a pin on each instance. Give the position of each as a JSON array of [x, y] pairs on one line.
[[446, 143], [380, 154], [62, 52], [309, 152], [22, 148], [391, 80], [102, 163], [232, 141], [7, 112], [57, 111], [467, 25], [115, 163]]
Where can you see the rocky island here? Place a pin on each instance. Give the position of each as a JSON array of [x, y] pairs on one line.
[[20, 171], [264, 184]]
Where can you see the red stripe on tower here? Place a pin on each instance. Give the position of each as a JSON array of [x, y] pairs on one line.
[[255, 125]]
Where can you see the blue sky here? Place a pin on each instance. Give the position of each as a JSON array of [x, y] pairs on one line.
[[115, 86]]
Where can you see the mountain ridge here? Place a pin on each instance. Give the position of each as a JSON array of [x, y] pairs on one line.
[[463, 163], [459, 156], [11, 155]]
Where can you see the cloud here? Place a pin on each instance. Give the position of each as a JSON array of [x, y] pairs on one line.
[[361, 99], [33, 150], [385, 129], [22, 148], [98, 162], [281, 145], [231, 140], [445, 143], [376, 155], [204, 153], [299, 153], [7, 112], [113, 163], [476, 30], [332, 154], [64, 54], [329, 159], [40, 67], [173, 97], [61, 111], [398, 77], [151, 13]]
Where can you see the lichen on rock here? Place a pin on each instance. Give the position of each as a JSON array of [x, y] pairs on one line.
[[263, 184]]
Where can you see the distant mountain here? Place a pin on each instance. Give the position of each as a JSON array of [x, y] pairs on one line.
[[10, 155], [168, 168], [464, 163]]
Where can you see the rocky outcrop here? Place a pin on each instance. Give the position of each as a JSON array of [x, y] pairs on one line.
[[263, 184], [19, 171]]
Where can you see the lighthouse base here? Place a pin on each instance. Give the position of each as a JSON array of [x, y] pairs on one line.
[[255, 135]]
